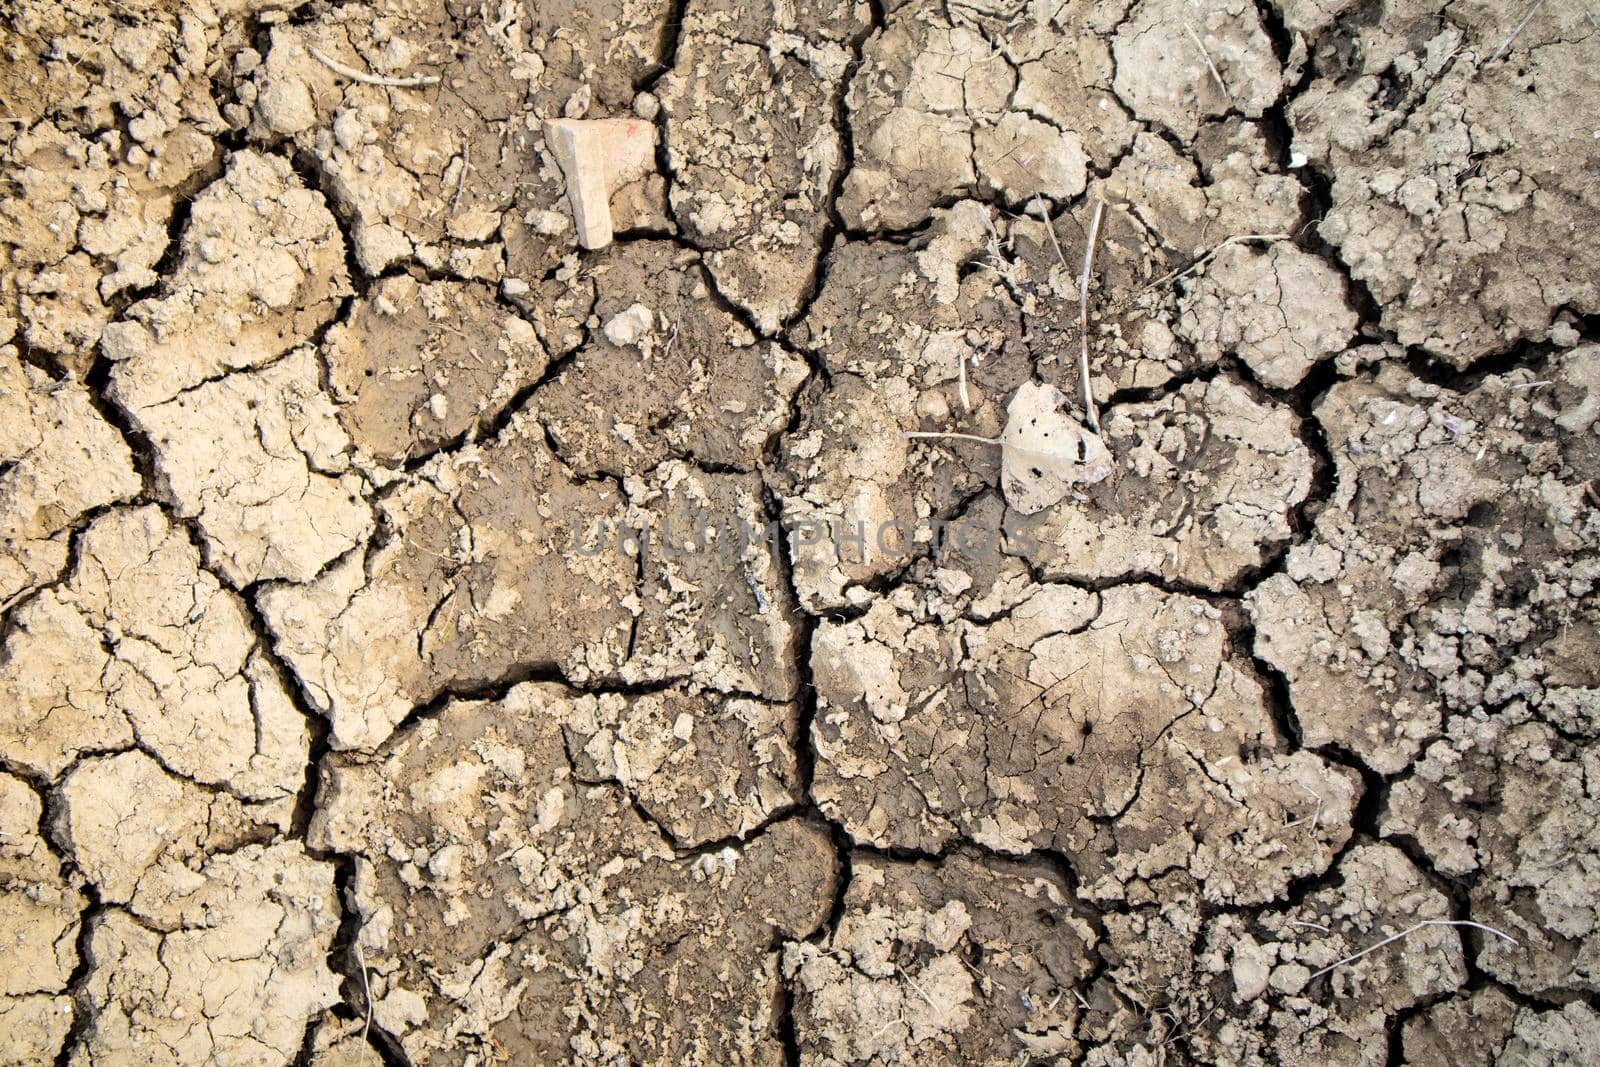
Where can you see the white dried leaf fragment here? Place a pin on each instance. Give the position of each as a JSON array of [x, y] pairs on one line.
[[1043, 452]]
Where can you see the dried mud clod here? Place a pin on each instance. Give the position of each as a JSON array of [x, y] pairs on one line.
[[748, 116], [1116, 728], [939, 106], [666, 373], [954, 960], [59, 461], [140, 646], [504, 879], [40, 916], [1208, 480], [109, 124], [1451, 175], [1449, 572], [429, 636], [418, 366], [1461, 650]]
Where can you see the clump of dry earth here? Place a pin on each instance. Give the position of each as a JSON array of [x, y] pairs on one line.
[[342, 716]]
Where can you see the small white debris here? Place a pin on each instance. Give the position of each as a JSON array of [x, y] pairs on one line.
[[627, 327], [546, 222], [577, 104], [1250, 970], [716, 865], [755, 589]]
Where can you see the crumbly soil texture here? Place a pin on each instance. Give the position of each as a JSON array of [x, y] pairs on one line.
[[426, 640]]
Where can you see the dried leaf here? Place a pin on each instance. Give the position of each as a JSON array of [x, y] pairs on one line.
[[1044, 453]]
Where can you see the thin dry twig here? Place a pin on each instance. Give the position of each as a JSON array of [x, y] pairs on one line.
[[1316, 818], [461, 179], [1504, 45], [934, 435], [361, 1057], [1216, 75], [370, 79], [1408, 932], [912, 982], [1083, 316], [1083, 296], [1237, 239], [1313, 926], [1049, 228]]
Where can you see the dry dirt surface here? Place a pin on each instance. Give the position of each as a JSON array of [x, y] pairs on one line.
[[424, 640]]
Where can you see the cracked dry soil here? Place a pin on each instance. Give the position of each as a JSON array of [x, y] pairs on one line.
[[424, 641]]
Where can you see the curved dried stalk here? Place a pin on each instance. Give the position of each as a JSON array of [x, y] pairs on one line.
[[1092, 418], [370, 79], [1408, 932]]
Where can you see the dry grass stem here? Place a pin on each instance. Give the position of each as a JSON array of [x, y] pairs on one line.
[[1506, 44], [934, 435], [1216, 75], [370, 79], [1093, 419], [1407, 933], [366, 1029], [1237, 239]]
